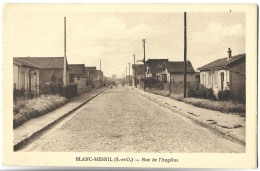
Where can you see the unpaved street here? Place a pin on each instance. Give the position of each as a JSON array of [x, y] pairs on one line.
[[120, 120]]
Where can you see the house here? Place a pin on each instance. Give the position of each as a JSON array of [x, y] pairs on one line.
[[99, 75], [76, 71], [138, 72], [129, 79], [47, 69], [225, 74], [90, 72], [98, 80], [154, 67], [25, 76], [174, 71], [197, 77]]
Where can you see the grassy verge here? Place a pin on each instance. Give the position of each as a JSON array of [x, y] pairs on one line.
[[158, 92], [36, 107], [222, 106]]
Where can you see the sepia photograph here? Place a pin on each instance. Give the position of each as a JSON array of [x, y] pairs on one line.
[[110, 84]]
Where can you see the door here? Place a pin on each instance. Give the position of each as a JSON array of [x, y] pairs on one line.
[[164, 78], [222, 80], [22, 79]]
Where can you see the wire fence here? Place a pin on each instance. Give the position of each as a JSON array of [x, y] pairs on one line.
[[23, 95]]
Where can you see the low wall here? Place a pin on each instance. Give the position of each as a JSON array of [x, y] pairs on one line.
[[81, 85], [173, 88]]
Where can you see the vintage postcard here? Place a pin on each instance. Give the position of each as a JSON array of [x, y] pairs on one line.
[[130, 85]]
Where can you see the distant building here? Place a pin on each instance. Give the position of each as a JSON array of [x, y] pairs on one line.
[[29, 73], [48, 69], [76, 71], [225, 74], [98, 80], [197, 76], [91, 72], [139, 73], [154, 67], [175, 72], [129, 79], [99, 75], [25, 75]]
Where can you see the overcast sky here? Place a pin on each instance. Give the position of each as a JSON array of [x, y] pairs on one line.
[[115, 37]]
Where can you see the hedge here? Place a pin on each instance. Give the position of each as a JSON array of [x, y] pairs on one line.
[[69, 91]]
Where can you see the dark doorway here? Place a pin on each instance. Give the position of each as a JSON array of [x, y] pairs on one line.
[[222, 80]]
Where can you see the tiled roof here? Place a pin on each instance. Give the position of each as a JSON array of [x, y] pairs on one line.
[[42, 62], [77, 68], [178, 67], [156, 65], [222, 63], [90, 68], [139, 69], [24, 63]]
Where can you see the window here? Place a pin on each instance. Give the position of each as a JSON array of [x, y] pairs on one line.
[[227, 76], [203, 79], [164, 78], [215, 78], [222, 80], [210, 78]]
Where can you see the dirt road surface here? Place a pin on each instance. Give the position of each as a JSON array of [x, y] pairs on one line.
[[120, 120]]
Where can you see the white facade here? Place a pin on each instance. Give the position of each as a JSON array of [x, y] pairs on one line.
[[21, 78], [217, 80]]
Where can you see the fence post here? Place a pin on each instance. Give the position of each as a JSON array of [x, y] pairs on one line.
[[171, 85]]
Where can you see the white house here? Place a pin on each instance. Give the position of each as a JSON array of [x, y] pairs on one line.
[[225, 74]]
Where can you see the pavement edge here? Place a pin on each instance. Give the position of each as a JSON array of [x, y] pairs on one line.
[[200, 122], [22, 143]]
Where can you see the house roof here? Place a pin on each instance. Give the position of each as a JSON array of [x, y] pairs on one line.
[[90, 68], [156, 65], [223, 63], [24, 63], [42, 62], [178, 67], [139, 69], [77, 68]]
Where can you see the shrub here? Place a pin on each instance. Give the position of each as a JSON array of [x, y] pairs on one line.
[[154, 83], [69, 90], [224, 95], [51, 88], [200, 91], [17, 107], [36, 107], [210, 94]]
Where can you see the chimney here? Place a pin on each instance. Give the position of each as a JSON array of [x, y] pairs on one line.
[[229, 53]]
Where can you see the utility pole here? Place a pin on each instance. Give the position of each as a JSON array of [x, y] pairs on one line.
[[144, 63], [100, 73], [135, 71], [185, 54], [129, 73], [65, 56], [125, 75]]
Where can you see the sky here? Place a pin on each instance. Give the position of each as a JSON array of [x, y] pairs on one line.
[[113, 38]]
